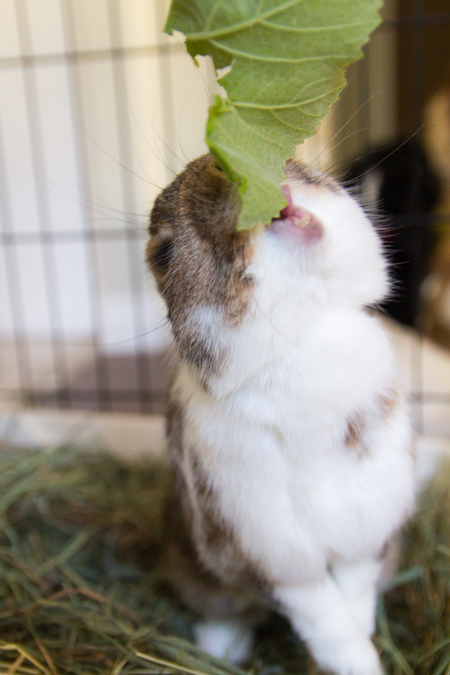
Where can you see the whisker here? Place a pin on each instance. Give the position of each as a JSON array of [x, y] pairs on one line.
[[108, 154], [346, 123], [396, 149], [205, 82], [117, 342], [144, 137], [91, 204]]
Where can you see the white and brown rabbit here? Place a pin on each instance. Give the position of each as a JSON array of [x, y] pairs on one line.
[[290, 444]]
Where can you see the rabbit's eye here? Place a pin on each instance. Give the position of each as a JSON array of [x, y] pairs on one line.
[[162, 255]]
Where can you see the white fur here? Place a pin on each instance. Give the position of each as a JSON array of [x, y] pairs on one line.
[[231, 640], [312, 514], [325, 620]]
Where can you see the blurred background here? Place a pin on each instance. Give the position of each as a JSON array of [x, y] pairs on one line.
[[99, 110]]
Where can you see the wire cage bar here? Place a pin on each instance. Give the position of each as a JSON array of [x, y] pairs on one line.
[[99, 110]]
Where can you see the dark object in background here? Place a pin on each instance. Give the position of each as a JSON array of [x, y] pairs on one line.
[[398, 182]]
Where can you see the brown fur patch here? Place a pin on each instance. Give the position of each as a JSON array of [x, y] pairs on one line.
[[239, 287], [203, 559], [200, 589], [355, 431], [216, 542], [216, 534], [388, 403], [306, 174], [198, 257]]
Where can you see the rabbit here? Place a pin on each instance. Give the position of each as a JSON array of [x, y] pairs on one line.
[[290, 442]]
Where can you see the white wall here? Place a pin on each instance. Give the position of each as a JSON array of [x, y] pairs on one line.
[[88, 136], [98, 110]]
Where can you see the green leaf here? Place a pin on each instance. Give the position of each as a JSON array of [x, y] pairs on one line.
[[287, 60]]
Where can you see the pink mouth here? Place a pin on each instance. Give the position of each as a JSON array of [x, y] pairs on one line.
[[296, 221]]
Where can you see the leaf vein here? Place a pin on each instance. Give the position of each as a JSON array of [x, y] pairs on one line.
[[312, 29], [212, 13], [252, 130], [276, 106], [272, 59], [284, 123], [235, 27]]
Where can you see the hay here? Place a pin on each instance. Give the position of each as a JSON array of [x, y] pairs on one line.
[[414, 617], [81, 590]]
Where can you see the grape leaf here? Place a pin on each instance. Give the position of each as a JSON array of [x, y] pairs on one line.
[[287, 60]]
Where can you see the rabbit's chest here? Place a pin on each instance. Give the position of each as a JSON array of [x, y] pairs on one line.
[[272, 444], [293, 494], [294, 516]]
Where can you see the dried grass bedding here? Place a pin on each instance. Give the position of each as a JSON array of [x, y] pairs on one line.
[[82, 590]]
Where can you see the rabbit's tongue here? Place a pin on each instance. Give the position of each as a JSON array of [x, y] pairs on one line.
[[295, 221]]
